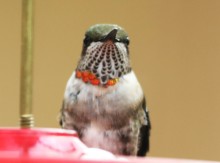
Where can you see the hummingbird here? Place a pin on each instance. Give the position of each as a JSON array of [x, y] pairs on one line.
[[103, 100]]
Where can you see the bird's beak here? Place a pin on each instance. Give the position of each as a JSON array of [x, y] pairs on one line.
[[111, 35]]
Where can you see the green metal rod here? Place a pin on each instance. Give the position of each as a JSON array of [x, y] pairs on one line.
[[26, 117]]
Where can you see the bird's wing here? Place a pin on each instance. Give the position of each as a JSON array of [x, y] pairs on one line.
[[70, 99], [144, 136], [61, 116]]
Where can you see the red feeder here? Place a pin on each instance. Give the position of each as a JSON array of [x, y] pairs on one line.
[[44, 145], [59, 146], [48, 145]]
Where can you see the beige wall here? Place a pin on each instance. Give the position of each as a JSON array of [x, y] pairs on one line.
[[175, 51]]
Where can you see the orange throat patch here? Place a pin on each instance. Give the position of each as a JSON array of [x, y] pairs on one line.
[[89, 77]]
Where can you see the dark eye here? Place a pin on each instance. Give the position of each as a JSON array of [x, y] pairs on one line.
[[87, 40], [127, 41]]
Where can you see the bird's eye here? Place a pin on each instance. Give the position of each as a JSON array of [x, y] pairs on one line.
[[87, 40], [127, 41]]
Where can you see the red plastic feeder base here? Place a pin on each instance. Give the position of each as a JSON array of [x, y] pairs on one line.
[[59, 146]]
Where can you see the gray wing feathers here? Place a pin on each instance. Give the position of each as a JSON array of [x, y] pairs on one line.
[[144, 136]]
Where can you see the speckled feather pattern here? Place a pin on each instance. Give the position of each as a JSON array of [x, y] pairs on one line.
[[106, 60]]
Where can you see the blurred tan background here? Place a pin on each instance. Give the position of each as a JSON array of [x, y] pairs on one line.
[[175, 51]]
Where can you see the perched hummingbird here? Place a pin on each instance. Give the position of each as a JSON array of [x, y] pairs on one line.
[[103, 100]]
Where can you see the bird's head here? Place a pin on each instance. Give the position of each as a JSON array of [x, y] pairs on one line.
[[105, 55]]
